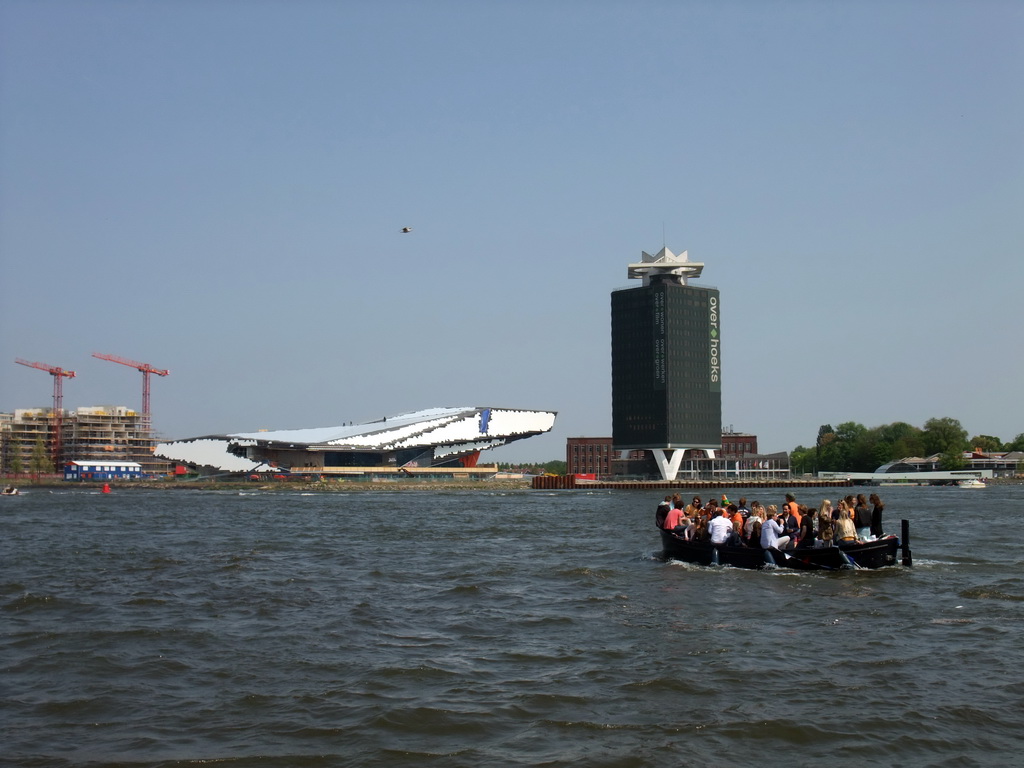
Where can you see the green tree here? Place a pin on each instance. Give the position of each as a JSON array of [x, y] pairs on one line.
[[803, 461], [944, 435], [904, 440], [40, 463], [823, 433], [17, 466], [556, 467], [952, 460], [826, 450], [1017, 444], [849, 443], [898, 430], [849, 431], [852, 447], [987, 443], [881, 453]]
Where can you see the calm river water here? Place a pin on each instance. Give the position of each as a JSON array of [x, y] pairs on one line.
[[533, 628]]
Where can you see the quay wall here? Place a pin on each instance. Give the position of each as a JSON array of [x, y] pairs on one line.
[[570, 483]]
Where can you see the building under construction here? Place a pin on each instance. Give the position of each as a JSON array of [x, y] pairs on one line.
[[46, 440], [110, 432]]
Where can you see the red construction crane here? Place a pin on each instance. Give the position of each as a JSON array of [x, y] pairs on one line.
[[59, 374], [146, 369]]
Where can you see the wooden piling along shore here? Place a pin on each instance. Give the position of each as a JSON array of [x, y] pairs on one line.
[[570, 483]]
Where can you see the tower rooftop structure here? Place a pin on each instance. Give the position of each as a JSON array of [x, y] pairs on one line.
[[665, 267]]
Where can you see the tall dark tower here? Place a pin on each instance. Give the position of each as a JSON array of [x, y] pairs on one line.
[[666, 362]]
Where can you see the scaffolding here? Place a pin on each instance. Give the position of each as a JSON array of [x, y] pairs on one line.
[[106, 432], [22, 434]]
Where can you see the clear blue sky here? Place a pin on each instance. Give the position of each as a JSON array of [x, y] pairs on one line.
[[217, 188]]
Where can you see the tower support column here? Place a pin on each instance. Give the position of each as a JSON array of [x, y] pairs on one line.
[[669, 464]]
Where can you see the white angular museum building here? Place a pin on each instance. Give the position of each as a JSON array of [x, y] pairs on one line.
[[410, 443]]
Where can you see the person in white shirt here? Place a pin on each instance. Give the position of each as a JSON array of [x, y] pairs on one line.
[[721, 528], [771, 533]]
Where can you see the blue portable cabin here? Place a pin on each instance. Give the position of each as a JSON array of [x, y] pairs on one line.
[[102, 470]]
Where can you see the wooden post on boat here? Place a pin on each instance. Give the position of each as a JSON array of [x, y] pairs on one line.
[[908, 559]]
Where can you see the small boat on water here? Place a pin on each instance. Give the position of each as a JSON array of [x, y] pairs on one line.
[[10, 491], [971, 482], [877, 553]]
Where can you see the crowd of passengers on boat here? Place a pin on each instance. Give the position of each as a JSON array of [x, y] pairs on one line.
[[724, 523]]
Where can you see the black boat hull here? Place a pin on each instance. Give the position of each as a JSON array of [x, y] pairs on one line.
[[869, 554]]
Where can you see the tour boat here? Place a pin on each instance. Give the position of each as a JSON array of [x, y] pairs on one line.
[[874, 553]]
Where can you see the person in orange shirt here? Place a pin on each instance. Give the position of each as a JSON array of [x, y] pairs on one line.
[[737, 519]]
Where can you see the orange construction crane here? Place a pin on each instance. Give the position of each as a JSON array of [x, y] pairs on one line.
[[146, 369], [59, 374]]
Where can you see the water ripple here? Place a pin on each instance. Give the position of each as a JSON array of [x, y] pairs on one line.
[[289, 629]]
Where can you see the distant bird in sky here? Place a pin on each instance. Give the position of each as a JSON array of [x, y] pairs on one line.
[[406, 230]]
